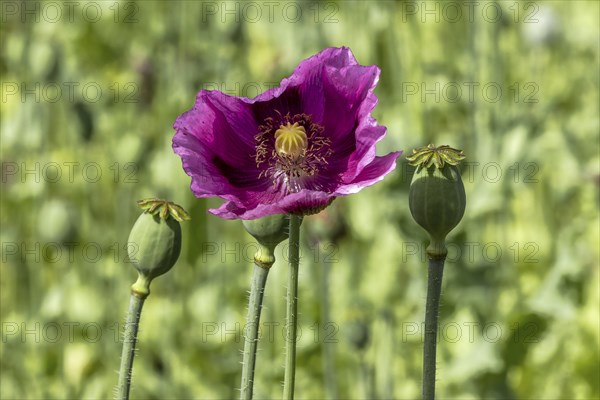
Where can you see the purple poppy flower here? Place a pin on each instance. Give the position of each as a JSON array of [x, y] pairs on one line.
[[291, 149]]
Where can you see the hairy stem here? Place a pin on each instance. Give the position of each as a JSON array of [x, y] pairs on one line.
[[129, 340], [292, 308], [257, 289], [434, 289]]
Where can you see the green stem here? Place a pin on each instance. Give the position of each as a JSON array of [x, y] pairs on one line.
[[434, 290], [257, 289], [292, 308], [129, 340]]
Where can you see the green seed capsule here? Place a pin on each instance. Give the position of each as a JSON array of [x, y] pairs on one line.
[[268, 231], [437, 197], [437, 200], [154, 243]]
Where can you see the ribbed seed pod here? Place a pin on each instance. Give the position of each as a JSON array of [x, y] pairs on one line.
[[437, 197], [154, 243], [270, 230]]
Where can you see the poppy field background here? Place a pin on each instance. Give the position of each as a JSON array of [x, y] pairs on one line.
[[89, 93]]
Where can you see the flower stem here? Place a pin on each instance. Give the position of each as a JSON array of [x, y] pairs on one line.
[[292, 308], [434, 290], [129, 340], [257, 289]]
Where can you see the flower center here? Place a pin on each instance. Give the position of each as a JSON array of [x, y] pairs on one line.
[[292, 150], [291, 140]]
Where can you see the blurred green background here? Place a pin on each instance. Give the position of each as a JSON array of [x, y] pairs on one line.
[[89, 94]]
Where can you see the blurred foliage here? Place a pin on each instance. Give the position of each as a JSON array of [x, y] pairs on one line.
[[520, 305]]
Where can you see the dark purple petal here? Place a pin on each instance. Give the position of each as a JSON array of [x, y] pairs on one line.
[[224, 123], [360, 140], [208, 179], [372, 173], [348, 99], [300, 202], [345, 92], [286, 102], [309, 76], [302, 92], [368, 133], [306, 201], [216, 143], [307, 81]]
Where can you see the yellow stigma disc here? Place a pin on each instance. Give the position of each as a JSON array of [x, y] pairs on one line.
[[291, 140]]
